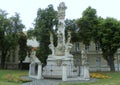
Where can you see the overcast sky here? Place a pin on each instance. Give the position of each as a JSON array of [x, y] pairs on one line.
[[28, 8]]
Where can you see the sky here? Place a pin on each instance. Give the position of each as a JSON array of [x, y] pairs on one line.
[[28, 8]]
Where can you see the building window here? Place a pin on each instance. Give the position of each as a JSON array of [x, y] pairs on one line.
[[97, 46], [87, 47], [77, 46], [98, 61]]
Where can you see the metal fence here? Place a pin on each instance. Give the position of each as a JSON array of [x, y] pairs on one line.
[[51, 69], [55, 71], [11, 66]]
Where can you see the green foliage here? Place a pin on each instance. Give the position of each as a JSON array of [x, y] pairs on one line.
[[70, 25], [45, 21], [9, 29], [86, 25], [5, 36], [22, 41], [31, 33], [105, 32], [109, 39]]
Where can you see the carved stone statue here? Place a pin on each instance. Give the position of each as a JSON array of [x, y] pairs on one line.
[[33, 58], [60, 49], [63, 48], [84, 68], [61, 17], [51, 45], [68, 44], [83, 57]]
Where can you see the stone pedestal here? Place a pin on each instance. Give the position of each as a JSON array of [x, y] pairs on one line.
[[35, 70], [85, 72], [64, 72], [54, 67]]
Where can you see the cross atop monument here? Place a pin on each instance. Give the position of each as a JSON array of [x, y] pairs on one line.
[[61, 10]]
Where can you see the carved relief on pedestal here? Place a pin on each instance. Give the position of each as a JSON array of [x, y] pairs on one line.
[[59, 62]]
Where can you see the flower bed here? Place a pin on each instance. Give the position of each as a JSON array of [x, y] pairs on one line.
[[12, 78], [99, 76]]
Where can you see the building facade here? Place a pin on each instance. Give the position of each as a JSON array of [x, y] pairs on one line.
[[94, 55]]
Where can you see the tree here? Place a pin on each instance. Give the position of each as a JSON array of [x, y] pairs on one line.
[[5, 36], [70, 25], [105, 32], [20, 39], [16, 24], [16, 31], [22, 48], [108, 35], [45, 21], [86, 25], [8, 35]]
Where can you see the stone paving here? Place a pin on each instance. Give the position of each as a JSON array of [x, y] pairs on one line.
[[52, 81]]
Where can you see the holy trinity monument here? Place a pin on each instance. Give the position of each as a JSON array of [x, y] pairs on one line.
[[61, 53], [60, 62]]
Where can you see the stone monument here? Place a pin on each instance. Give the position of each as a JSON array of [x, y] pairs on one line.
[[27, 59], [61, 53], [35, 66], [84, 66]]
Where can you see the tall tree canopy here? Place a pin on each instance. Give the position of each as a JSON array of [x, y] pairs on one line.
[[108, 35], [70, 25], [105, 32], [5, 35], [22, 41], [8, 34], [86, 25], [45, 21]]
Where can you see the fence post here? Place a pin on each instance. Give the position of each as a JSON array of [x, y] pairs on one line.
[[64, 72], [39, 76], [29, 69], [82, 71]]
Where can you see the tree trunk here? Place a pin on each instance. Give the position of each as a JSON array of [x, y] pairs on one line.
[[110, 61], [20, 65], [3, 56]]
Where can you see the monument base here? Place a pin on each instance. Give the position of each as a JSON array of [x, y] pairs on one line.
[[54, 69]]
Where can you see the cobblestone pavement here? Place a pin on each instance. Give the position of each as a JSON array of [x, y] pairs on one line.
[[42, 81], [51, 81]]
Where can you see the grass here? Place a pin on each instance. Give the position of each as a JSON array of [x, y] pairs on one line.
[[114, 80], [6, 76]]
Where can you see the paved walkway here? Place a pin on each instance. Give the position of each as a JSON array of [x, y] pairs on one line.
[[42, 81], [51, 81]]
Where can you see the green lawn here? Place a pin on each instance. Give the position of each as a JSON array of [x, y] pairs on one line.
[[114, 80], [6, 75]]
